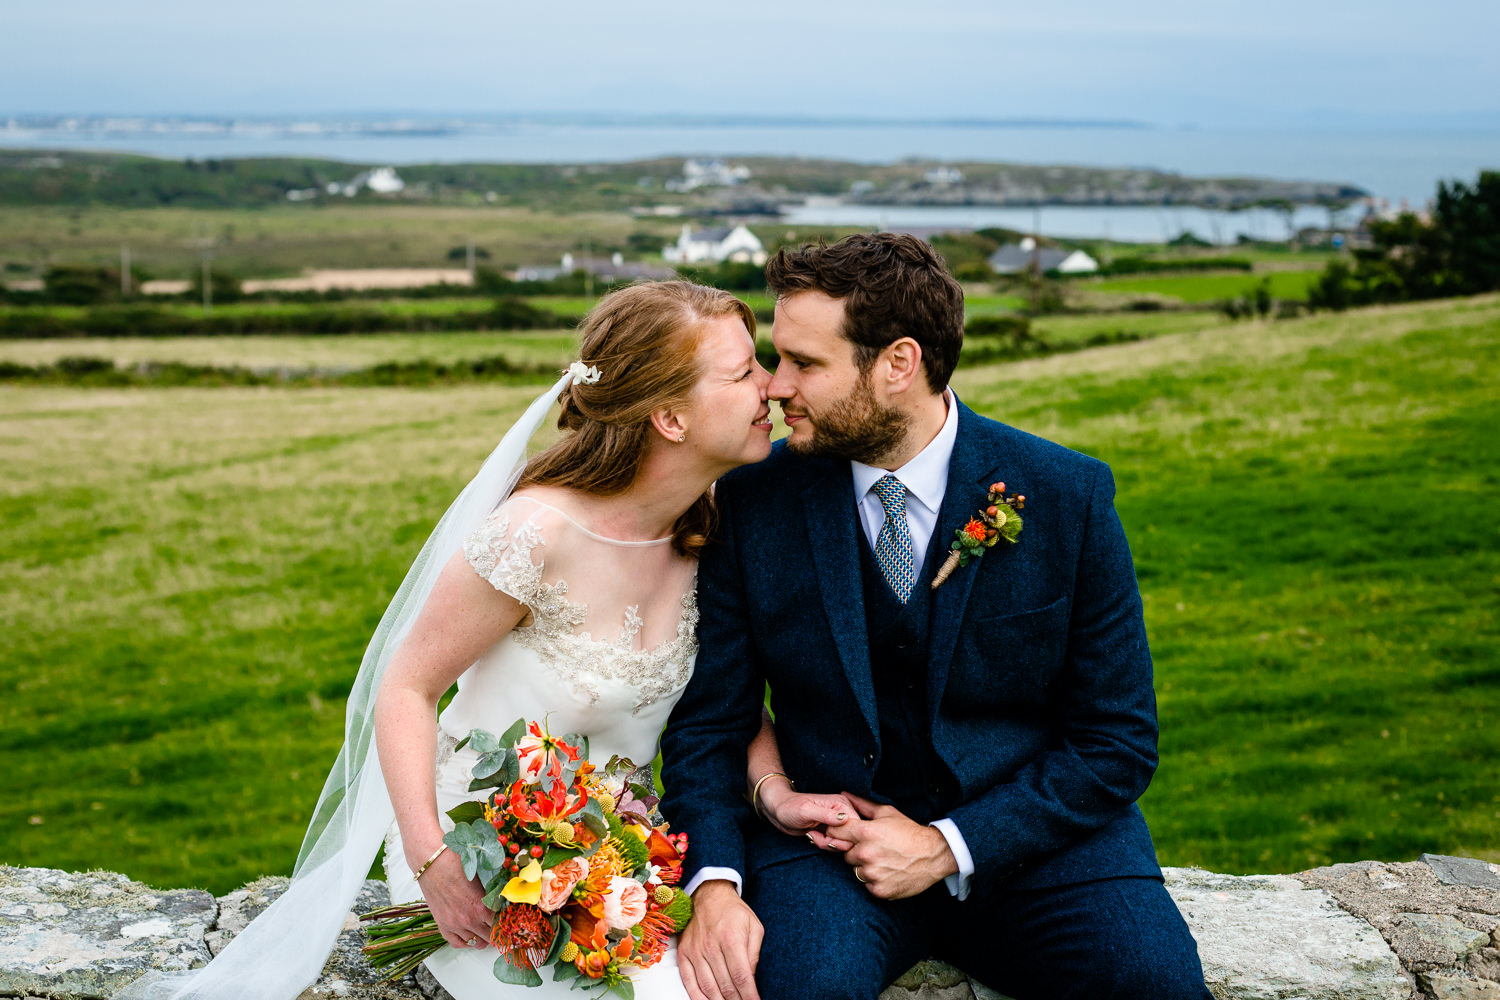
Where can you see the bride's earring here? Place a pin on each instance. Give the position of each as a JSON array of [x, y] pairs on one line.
[[681, 436]]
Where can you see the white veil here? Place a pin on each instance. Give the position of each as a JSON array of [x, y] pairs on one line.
[[282, 951]]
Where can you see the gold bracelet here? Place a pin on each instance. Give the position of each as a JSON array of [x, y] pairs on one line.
[[428, 863], [755, 792]]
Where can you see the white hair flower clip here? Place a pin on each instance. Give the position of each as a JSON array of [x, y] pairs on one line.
[[583, 374]]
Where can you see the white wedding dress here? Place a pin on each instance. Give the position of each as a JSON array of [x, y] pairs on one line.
[[605, 652]]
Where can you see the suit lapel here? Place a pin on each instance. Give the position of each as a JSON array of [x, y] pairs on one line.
[[833, 533], [969, 473]]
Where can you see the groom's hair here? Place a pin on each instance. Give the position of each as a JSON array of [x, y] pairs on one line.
[[893, 285]]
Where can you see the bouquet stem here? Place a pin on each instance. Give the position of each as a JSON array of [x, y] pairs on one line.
[[401, 938]]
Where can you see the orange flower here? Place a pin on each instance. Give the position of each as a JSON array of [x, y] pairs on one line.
[[975, 529], [604, 864], [558, 882], [587, 928], [593, 963], [656, 930], [524, 933], [624, 903], [541, 750]]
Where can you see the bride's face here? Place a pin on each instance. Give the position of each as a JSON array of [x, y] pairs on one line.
[[729, 420]]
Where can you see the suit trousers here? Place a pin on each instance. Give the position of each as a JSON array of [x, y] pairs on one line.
[[827, 938]]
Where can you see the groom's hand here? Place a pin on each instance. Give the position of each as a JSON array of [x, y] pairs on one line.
[[720, 946], [894, 856]]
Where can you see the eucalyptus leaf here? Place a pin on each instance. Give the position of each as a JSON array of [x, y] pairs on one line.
[[592, 816], [564, 970], [483, 741], [625, 988], [508, 972], [469, 844], [496, 769]]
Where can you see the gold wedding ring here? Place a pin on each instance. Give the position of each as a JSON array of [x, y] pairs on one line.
[[473, 942], [860, 877]]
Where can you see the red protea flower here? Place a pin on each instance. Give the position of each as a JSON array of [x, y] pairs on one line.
[[976, 530], [525, 934]]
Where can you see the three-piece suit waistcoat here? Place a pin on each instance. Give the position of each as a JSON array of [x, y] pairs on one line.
[[909, 773]]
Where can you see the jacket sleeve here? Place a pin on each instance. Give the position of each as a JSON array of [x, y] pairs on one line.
[[705, 740], [1106, 751]]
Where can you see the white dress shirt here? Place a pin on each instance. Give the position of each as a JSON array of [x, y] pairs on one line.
[[926, 480]]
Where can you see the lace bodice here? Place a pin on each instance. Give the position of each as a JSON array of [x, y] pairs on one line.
[[609, 640]]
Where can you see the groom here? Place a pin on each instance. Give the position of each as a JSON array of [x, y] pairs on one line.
[[993, 733]]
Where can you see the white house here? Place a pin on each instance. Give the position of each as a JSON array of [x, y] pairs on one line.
[[708, 173], [1015, 258], [381, 180], [715, 246]]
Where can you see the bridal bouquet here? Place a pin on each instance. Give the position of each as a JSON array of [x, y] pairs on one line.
[[579, 876]]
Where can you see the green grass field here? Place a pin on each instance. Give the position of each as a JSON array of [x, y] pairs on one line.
[[324, 352], [1208, 287], [190, 576], [284, 239]]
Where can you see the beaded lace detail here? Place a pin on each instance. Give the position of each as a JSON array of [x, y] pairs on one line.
[[504, 558]]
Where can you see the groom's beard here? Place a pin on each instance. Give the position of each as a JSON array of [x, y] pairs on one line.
[[857, 428]]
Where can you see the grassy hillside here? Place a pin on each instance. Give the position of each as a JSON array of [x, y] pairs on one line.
[[189, 577]]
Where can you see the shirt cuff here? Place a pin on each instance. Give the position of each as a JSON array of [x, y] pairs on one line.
[[960, 883], [730, 875]]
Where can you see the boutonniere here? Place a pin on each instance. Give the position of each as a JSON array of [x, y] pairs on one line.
[[999, 519]]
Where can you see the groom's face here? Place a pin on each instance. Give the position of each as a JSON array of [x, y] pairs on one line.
[[828, 403]]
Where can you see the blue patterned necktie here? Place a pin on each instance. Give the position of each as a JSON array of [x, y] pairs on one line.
[[893, 546]]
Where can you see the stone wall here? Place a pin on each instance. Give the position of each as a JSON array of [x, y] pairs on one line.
[[1366, 931]]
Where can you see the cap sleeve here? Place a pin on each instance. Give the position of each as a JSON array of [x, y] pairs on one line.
[[503, 555]]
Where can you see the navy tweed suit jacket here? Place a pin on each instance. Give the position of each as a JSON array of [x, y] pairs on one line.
[[1038, 678]]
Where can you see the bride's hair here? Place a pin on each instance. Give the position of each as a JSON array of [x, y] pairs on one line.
[[644, 340]]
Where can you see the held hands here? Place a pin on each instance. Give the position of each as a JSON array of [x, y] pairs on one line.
[[800, 814], [457, 903], [720, 946], [893, 855]]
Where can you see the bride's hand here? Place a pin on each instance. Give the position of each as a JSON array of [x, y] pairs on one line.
[[457, 903], [802, 814]]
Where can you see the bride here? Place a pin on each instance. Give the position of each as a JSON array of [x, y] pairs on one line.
[[566, 594]]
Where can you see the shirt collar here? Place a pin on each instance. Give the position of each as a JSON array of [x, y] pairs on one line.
[[926, 475]]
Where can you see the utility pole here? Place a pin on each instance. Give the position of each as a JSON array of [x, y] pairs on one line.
[[124, 270]]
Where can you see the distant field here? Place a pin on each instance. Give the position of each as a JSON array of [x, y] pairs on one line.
[[1208, 287], [188, 577], [284, 239], [1072, 329], [553, 347], [329, 352]]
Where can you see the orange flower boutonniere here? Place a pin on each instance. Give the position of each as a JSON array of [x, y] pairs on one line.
[[1001, 518]]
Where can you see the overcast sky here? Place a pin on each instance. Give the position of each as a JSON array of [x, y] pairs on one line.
[[1169, 62]]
